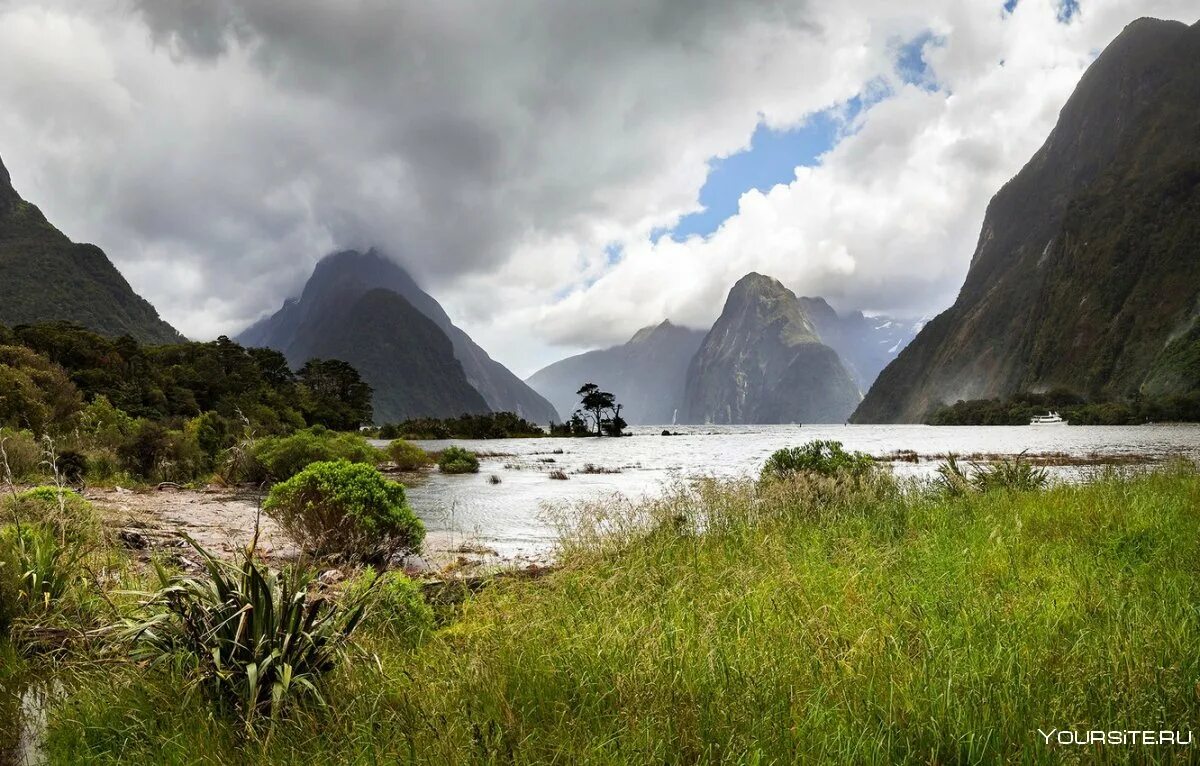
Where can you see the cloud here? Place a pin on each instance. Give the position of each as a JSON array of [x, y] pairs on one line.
[[502, 151]]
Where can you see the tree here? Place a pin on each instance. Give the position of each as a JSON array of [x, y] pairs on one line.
[[600, 410], [334, 394]]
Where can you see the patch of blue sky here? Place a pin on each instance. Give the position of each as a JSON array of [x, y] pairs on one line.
[[1010, 5], [772, 159], [911, 65], [1067, 10], [774, 155]]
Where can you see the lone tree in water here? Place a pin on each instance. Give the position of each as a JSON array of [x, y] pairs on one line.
[[600, 410]]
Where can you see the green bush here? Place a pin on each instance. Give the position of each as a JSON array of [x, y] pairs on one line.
[[345, 509], [70, 517], [257, 640], [43, 567], [458, 460], [71, 466], [408, 456], [393, 604], [827, 458], [280, 457], [1014, 474], [23, 452], [103, 466], [155, 453]]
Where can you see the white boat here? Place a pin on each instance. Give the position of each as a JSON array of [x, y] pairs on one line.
[[1049, 419]]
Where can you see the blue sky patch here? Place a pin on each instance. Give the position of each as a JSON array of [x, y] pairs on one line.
[[1067, 10], [911, 66], [1010, 5], [774, 155], [772, 159]]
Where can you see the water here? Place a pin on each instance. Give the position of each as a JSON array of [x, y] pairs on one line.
[[508, 516]]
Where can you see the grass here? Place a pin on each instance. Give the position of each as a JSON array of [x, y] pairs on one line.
[[807, 620]]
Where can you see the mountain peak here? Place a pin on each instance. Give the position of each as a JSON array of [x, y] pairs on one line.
[[650, 331], [342, 277], [758, 284], [763, 362]]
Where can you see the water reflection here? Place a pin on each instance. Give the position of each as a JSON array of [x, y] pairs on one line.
[[23, 705]]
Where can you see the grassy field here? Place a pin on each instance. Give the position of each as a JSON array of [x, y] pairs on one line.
[[811, 621]]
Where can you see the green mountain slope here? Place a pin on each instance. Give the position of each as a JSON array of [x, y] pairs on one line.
[[1087, 272], [46, 277], [763, 362]]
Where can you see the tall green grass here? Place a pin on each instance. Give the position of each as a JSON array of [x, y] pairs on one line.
[[809, 620]]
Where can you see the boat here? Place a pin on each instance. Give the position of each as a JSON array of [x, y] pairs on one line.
[[1049, 419]]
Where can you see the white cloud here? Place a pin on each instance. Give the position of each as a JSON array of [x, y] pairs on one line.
[[217, 149]]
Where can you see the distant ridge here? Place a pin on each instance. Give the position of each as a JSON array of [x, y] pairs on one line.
[[647, 374]]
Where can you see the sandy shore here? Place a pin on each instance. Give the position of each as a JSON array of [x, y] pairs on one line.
[[222, 520]]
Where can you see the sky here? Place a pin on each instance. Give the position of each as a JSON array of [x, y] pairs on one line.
[[557, 174]]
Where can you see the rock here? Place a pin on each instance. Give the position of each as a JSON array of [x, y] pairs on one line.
[[331, 577], [133, 539]]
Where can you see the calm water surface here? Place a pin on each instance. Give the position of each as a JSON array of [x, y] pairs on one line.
[[509, 517]]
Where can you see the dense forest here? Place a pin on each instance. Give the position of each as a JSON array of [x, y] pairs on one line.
[[165, 412], [1017, 409]]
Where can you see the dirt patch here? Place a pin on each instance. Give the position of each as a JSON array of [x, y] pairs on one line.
[[222, 519]]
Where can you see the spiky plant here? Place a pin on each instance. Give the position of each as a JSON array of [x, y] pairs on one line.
[[255, 638]]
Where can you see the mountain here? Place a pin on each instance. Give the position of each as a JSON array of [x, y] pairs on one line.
[[647, 374], [342, 278], [763, 362], [1086, 274], [44, 276], [865, 344]]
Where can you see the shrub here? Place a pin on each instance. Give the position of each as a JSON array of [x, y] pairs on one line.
[[23, 453], [71, 466], [256, 639], [70, 517], [408, 456], [827, 458], [281, 457], [1014, 474], [389, 431], [345, 509], [44, 569], [155, 453], [458, 460], [103, 466], [393, 605]]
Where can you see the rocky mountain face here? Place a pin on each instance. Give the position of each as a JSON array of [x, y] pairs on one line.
[[865, 344], [44, 276], [1087, 273], [339, 282], [763, 362], [647, 374]]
